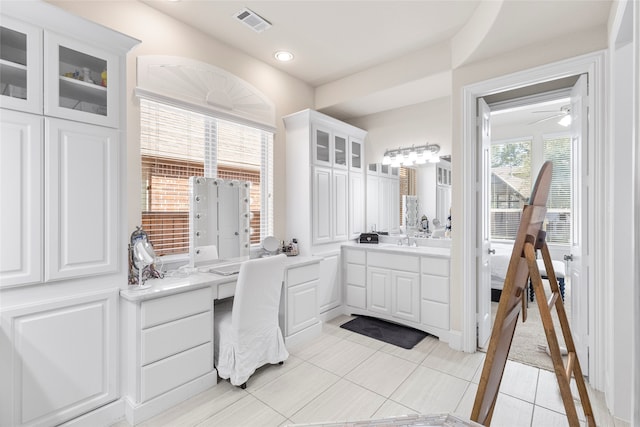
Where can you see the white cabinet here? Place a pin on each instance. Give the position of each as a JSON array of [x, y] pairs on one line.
[[62, 215], [355, 278], [435, 292], [383, 197], [379, 290], [393, 285], [20, 65], [402, 286], [81, 199], [63, 359], [80, 81], [299, 305], [21, 201], [325, 185], [405, 295], [329, 287], [168, 345]]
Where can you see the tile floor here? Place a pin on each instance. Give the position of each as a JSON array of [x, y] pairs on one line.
[[343, 376]]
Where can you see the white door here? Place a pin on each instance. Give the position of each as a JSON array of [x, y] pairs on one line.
[[578, 277], [483, 259]]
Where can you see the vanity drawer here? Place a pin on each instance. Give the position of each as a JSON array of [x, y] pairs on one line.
[[435, 288], [303, 274], [435, 314], [174, 337], [174, 307], [435, 266], [354, 256], [356, 275], [394, 261], [226, 290], [169, 373]]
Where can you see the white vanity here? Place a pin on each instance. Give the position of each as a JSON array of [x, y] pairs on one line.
[[403, 284], [167, 332]]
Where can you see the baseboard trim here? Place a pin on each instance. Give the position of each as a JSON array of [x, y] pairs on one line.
[[103, 416], [136, 413], [304, 336]]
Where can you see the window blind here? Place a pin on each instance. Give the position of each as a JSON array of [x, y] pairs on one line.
[[510, 186], [175, 144], [558, 225], [511, 182]]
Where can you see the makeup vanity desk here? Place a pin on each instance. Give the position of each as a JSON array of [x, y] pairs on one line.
[[167, 332]]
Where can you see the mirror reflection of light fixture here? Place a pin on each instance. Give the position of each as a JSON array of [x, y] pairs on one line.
[[414, 155]]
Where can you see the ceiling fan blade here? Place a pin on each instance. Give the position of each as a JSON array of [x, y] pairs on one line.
[[548, 118]]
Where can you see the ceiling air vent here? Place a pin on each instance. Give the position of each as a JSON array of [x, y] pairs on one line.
[[254, 21]]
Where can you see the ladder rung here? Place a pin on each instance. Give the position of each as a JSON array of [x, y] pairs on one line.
[[552, 299], [571, 360]]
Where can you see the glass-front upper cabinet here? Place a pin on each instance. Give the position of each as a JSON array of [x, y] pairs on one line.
[[20, 66], [355, 154], [322, 147], [81, 81], [340, 150]]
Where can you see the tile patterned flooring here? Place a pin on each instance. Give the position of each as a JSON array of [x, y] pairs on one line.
[[343, 376]]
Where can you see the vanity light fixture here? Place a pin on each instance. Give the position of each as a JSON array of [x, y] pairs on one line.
[[283, 56], [414, 155]]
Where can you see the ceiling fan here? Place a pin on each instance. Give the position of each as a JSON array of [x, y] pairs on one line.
[[565, 111]]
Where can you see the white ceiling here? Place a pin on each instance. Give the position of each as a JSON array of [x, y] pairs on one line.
[[335, 40]]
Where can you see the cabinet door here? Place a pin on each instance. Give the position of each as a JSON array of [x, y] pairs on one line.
[[340, 151], [329, 289], [356, 155], [321, 205], [379, 290], [81, 199], [384, 210], [81, 82], [59, 359], [322, 146], [443, 202], [21, 201], [20, 66], [405, 295], [373, 205], [302, 307], [394, 204], [340, 217], [356, 204]]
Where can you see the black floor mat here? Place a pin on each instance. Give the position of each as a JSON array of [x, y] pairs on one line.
[[402, 336]]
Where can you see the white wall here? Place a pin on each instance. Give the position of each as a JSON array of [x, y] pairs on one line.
[[623, 254], [519, 60], [161, 35]]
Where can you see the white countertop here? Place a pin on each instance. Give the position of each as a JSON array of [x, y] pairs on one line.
[[395, 248], [176, 282]]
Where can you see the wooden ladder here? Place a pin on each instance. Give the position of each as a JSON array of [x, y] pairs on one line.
[[522, 267]]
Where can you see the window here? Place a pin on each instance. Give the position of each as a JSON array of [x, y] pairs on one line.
[[177, 143], [511, 182]]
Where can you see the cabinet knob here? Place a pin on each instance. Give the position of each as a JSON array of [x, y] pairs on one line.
[[568, 257], [492, 251]]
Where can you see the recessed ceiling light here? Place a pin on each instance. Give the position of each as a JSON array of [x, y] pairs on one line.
[[283, 56]]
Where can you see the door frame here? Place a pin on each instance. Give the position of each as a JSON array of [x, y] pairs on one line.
[[593, 64]]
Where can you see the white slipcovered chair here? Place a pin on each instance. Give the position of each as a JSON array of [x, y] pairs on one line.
[[248, 335]]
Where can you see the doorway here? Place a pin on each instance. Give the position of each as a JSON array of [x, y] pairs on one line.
[[590, 65], [525, 132]]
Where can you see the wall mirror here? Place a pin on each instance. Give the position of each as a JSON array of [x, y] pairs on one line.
[[219, 220]]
